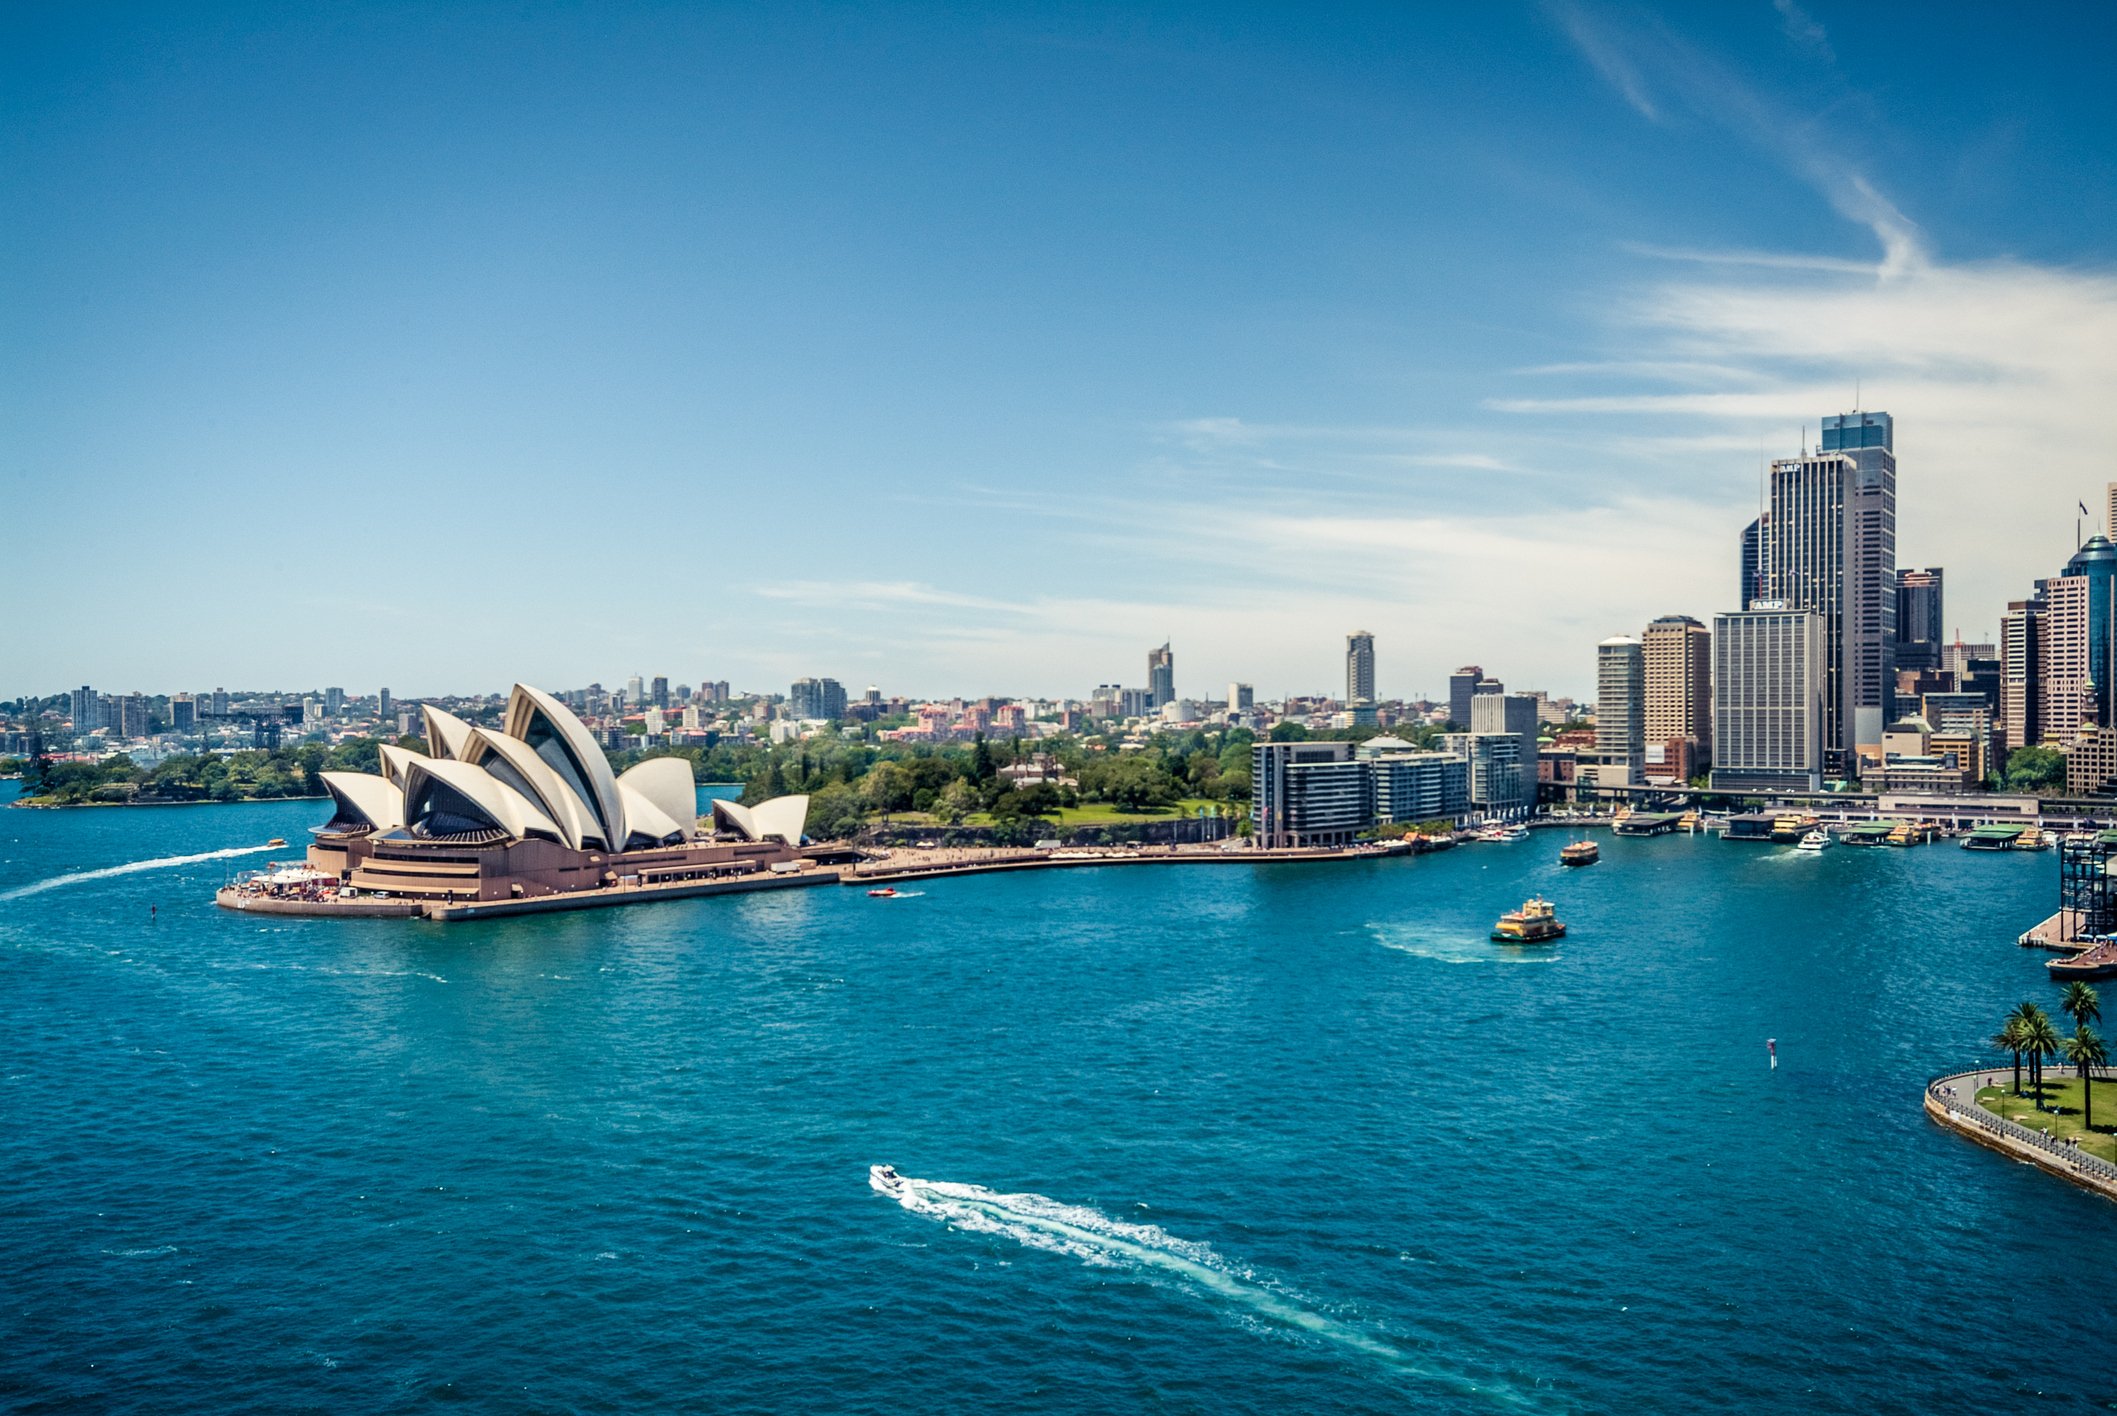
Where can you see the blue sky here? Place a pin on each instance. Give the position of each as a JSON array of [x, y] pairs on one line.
[[979, 349]]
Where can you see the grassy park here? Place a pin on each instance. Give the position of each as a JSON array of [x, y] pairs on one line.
[[1092, 813], [2062, 1113]]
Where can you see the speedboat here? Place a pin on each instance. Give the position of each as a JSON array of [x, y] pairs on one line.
[[887, 892], [1816, 840], [277, 841], [884, 1179]]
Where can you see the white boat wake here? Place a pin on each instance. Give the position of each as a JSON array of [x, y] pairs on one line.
[[1091, 1236], [132, 867]]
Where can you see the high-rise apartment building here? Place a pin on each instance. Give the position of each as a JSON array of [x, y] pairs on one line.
[[1769, 681], [220, 702], [1462, 687], [817, 698], [1918, 619], [1620, 711], [334, 702], [183, 713], [382, 705], [1678, 655], [635, 691], [1359, 667], [127, 716], [85, 708], [1830, 548], [1241, 697], [1161, 677], [658, 692], [1510, 715], [1308, 793], [2109, 525]]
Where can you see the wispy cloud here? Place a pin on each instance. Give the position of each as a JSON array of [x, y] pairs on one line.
[[1703, 86], [1612, 59], [1801, 27]]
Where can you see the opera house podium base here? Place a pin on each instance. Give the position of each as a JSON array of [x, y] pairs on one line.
[[523, 817]]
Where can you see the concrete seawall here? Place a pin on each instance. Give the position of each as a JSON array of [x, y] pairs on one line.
[[1956, 1108]]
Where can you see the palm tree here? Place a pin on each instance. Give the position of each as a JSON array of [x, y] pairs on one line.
[[2039, 1040], [2085, 1051], [2009, 1039], [2081, 1003]]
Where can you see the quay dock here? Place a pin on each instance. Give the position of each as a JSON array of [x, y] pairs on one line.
[[1648, 823]]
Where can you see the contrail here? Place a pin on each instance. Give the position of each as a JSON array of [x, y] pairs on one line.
[[159, 863], [1093, 1237]]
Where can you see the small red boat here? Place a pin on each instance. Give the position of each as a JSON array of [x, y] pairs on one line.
[[885, 893]]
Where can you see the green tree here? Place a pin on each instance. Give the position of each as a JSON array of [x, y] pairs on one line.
[[2039, 1040], [981, 768], [2009, 1039], [2086, 1052], [886, 788], [2035, 769], [2081, 1003], [956, 801], [834, 812]]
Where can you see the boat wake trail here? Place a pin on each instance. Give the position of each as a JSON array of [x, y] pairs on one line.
[[1091, 1236], [132, 867]]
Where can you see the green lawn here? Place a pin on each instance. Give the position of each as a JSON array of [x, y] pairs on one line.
[[1096, 813], [2061, 1115]]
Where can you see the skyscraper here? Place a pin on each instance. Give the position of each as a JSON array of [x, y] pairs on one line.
[[1161, 677], [2019, 710], [1462, 686], [1768, 708], [1753, 561], [1241, 697], [333, 702], [1359, 667], [1830, 548], [658, 692], [85, 710], [1870, 568], [1918, 618], [1678, 656], [1620, 711], [635, 691], [2057, 652], [2109, 526], [382, 705]]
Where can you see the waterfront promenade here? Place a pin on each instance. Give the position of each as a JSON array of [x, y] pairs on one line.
[[1951, 1102]]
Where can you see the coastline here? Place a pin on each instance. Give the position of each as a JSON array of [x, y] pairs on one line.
[[1966, 1118], [29, 804]]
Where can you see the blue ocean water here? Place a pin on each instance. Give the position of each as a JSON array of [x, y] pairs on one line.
[[1240, 1139]]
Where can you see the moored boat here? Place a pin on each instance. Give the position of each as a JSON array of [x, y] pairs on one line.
[[1580, 853], [1536, 922]]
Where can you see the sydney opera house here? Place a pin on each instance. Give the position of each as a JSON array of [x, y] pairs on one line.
[[532, 809]]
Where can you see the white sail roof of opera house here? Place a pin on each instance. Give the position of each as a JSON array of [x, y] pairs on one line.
[[364, 797], [540, 774], [782, 817]]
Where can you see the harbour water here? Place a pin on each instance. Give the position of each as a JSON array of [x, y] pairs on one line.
[[1202, 1139]]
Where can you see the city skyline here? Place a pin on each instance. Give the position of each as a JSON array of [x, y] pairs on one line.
[[255, 294]]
